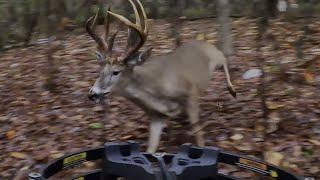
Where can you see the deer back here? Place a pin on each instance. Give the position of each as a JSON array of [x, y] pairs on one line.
[[173, 75]]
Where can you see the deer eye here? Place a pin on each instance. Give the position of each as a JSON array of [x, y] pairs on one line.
[[115, 73]]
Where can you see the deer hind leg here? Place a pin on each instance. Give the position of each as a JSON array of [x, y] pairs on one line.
[[193, 111], [156, 126]]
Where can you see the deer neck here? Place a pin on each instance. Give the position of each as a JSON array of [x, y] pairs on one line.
[[128, 84], [131, 86]]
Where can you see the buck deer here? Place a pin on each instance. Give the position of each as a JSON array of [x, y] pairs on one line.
[[163, 86]]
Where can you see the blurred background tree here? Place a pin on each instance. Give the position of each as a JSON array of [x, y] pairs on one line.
[[28, 20], [272, 47]]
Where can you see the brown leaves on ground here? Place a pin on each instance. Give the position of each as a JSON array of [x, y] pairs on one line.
[[38, 126], [10, 134]]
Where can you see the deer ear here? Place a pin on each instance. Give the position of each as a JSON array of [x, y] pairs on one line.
[[144, 55], [100, 57], [139, 58]]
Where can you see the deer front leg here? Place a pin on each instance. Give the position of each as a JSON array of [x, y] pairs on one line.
[[193, 115], [156, 126], [166, 107]]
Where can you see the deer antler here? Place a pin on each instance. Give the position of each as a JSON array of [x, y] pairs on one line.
[[141, 29], [104, 44]]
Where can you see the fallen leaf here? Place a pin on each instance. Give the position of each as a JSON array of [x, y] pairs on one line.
[[98, 109], [225, 144], [165, 51], [95, 126], [243, 175], [315, 142], [53, 129], [89, 164], [211, 41], [274, 158], [19, 155], [82, 84], [126, 137], [3, 118], [200, 37], [272, 128], [273, 122], [41, 155], [315, 169], [259, 127], [274, 105], [308, 77], [252, 73], [244, 147], [78, 51], [237, 137], [56, 154], [297, 150], [10, 134]]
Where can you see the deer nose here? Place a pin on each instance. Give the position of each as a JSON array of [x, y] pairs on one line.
[[92, 96]]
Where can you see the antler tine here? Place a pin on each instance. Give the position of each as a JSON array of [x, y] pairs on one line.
[[104, 44], [145, 18], [91, 32], [111, 42], [95, 19], [127, 22], [107, 25], [136, 13], [137, 26]]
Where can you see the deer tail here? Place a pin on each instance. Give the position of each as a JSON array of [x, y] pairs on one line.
[[230, 86]]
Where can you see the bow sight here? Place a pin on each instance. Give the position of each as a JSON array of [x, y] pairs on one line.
[[190, 163]]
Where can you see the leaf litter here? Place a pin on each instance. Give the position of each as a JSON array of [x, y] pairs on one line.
[[37, 126]]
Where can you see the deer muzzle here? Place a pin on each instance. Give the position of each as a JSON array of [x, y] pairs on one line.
[[94, 97], [97, 96]]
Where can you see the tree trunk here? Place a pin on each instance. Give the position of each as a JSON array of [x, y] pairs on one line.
[[154, 9], [262, 23], [2, 36], [50, 83], [206, 3], [189, 3], [47, 16], [31, 18], [33, 21], [176, 8], [272, 8], [225, 30], [11, 12], [32, 15]]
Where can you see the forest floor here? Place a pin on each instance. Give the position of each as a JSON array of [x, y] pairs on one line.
[[37, 126]]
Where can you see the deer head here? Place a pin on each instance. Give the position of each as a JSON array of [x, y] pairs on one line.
[[114, 64]]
